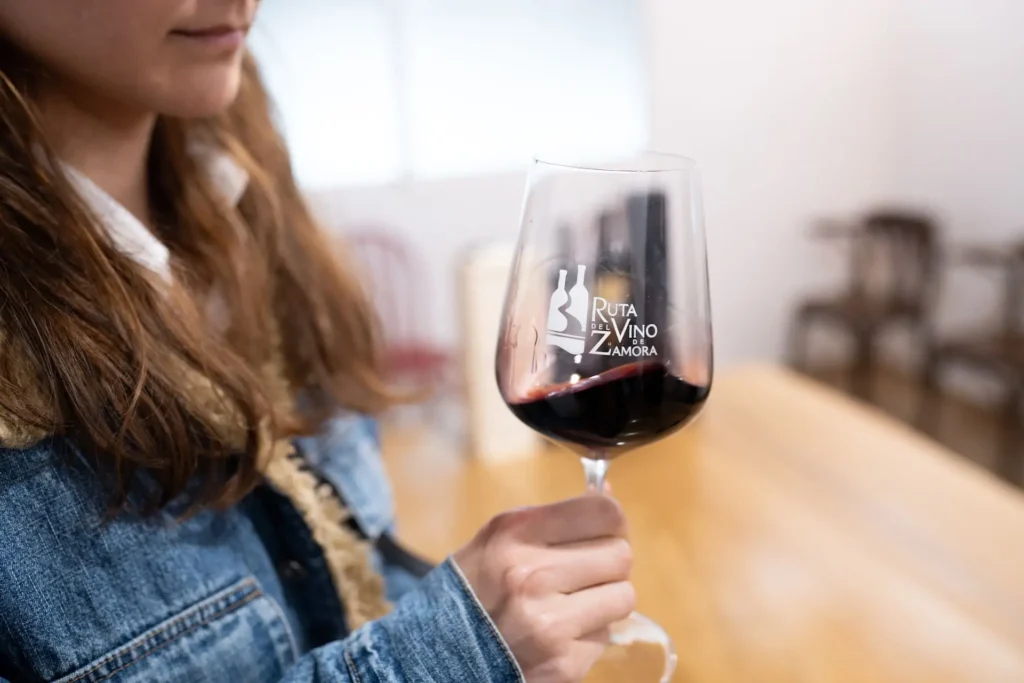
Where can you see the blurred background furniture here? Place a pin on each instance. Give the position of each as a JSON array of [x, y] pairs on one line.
[[997, 353], [436, 108], [891, 283], [400, 291], [492, 432], [790, 534]]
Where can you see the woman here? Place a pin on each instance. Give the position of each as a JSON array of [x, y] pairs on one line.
[[187, 489]]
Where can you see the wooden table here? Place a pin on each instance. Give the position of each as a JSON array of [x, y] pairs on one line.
[[790, 535]]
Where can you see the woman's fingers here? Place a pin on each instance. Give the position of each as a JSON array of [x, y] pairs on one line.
[[601, 638], [595, 609], [580, 519], [553, 580], [586, 565]]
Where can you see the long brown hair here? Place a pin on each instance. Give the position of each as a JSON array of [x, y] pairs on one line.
[[93, 348]]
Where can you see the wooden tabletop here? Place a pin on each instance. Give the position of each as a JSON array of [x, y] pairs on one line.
[[791, 535]]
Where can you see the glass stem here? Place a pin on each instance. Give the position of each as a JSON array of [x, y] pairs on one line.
[[596, 468]]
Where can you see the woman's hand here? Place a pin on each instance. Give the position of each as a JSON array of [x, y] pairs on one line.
[[553, 579]]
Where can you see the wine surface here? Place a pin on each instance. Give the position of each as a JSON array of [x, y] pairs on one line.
[[614, 411]]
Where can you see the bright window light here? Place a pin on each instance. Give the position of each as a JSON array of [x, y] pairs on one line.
[[371, 91]]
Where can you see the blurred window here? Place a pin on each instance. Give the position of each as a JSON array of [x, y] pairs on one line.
[[372, 91]]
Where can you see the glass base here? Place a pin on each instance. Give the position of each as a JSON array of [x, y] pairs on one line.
[[640, 652]]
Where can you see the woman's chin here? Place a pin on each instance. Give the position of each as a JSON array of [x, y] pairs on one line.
[[202, 95]]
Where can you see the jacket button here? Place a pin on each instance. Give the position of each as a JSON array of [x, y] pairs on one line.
[[292, 571]]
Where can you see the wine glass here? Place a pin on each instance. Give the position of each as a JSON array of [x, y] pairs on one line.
[[606, 333]]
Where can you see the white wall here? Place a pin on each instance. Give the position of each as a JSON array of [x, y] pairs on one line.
[[959, 121], [783, 104], [440, 220]]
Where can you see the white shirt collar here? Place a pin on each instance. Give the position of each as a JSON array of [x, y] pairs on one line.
[[130, 236]]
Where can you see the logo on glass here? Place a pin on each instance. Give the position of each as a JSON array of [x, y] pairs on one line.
[[569, 335], [615, 326]]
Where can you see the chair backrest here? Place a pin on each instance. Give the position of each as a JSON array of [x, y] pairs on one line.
[[1013, 314], [894, 258], [393, 280]]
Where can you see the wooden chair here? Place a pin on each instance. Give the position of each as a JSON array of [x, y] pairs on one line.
[[891, 283], [997, 353], [400, 292]]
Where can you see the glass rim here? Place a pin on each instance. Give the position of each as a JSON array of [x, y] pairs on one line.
[[645, 161]]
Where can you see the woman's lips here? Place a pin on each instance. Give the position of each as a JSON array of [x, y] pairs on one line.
[[217, 38]]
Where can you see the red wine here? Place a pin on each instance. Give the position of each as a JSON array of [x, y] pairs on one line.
[[614, 411]]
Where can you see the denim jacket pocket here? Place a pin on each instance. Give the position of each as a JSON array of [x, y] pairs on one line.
[[236, 634]]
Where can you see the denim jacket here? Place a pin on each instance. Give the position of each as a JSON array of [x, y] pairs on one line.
[[241, 595]]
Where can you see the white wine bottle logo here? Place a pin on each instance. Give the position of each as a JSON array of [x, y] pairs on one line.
[[579, 299], [557, 322], [574, 304]]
